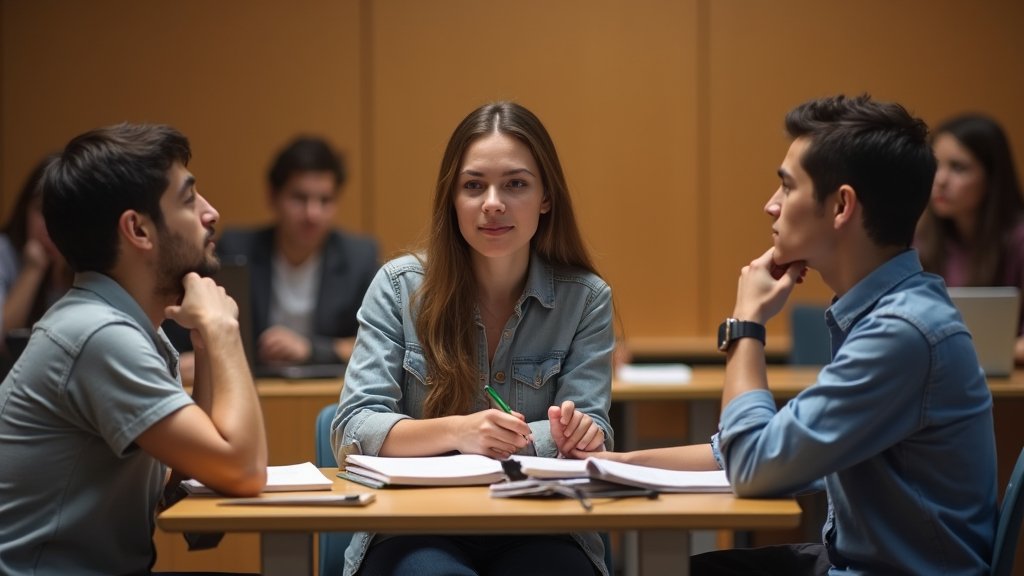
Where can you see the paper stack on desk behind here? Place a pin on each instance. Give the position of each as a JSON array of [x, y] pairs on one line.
[[654, 373], [293, 478]]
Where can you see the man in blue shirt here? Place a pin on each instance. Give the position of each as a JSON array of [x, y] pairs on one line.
[[899, 423], [898, 427]]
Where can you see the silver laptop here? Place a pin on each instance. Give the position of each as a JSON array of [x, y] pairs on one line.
[[991, 314]]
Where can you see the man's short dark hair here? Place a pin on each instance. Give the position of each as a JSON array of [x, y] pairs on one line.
[[306, 154], [97, 177], [879, 149]]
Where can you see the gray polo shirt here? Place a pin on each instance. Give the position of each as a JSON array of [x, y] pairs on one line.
[[77, 496]]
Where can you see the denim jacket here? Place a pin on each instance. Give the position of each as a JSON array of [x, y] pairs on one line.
[[556, 346]]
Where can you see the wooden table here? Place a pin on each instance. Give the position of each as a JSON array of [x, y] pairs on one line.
[[286, 531], [290, 409]]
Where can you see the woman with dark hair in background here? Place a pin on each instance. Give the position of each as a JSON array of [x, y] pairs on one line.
[[33, 274], [972, 233]]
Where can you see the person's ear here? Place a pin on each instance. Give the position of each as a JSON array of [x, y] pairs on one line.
[[545, 205], [137, 229], [274, 198], [846, 204]]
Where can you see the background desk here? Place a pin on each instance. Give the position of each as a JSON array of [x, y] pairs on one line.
[[286, 531]]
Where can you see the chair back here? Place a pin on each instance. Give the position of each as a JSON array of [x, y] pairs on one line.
[[332, 545], [1008, 530], [810, 342]]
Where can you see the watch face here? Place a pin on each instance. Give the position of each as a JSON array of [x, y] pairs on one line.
[[723, 335]]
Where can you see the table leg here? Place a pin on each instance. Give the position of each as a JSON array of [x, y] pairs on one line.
[[286, 553], [703, 423], [663, 552]]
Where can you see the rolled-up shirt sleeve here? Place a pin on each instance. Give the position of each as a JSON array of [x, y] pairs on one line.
[[865, 401], [369, 403]]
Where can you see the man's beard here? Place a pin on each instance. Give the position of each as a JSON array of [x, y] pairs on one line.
[[177, 258]]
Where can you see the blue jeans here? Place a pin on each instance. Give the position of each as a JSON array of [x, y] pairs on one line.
[[498, 555]]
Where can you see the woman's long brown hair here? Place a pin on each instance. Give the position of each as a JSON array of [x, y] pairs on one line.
[[446, 300]]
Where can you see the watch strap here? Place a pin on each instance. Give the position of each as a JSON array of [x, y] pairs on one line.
[[733, 329]]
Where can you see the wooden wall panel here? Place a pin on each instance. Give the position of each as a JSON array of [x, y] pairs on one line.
[[765, 58], [239, 78], [667, 114], [614, 83]]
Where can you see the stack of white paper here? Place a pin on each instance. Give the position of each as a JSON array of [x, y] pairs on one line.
[[654, 373], [293, 478]]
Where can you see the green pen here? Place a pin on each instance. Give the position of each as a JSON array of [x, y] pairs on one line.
[[501, 404], [497, 399]]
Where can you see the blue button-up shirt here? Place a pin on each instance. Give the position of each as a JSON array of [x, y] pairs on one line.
[[899, 425]]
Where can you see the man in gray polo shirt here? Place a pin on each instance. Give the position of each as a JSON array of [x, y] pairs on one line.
[[93, 413]]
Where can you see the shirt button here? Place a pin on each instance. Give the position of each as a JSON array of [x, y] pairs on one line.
[[536, 380], [507, 334], [499, 376]]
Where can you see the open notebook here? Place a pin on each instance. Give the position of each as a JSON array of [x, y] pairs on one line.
[[991, 314], [470, 469]]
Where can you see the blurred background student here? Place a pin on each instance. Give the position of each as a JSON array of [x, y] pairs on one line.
[[33, 274], [972, 233], [307, 276]]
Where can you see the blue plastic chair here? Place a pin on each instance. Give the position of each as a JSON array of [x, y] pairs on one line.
[[332, 544], [1008, 530], [811, 342]]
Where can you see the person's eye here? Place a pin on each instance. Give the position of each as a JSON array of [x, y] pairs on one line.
[[957, 167], [472, 185], [517, 184]]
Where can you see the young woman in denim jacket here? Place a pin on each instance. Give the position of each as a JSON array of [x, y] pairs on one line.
[[505, 295]]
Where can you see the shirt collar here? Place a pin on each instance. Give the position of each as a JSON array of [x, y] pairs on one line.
[[864, 294], [114, 294], [540, 282]]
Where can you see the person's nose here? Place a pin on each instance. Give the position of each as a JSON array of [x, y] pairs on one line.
[[941, 177], [210, 216], [493, 201], [774, 206], [314, 208]]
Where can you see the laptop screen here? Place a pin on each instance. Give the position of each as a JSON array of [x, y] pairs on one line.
[[234, 276], [990, 313]]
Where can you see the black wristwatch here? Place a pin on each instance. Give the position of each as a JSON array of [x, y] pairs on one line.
[[733, 329]]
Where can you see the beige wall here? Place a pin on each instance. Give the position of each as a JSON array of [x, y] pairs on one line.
[[667, 113]]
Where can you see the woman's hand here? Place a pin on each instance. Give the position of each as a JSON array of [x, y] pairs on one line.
[[492, 433], [574, 431]]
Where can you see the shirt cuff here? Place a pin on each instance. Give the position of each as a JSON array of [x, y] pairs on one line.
[[716, 450]]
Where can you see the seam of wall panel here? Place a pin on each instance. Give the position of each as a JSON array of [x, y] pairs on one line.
[[368, 122], [703, 123]]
